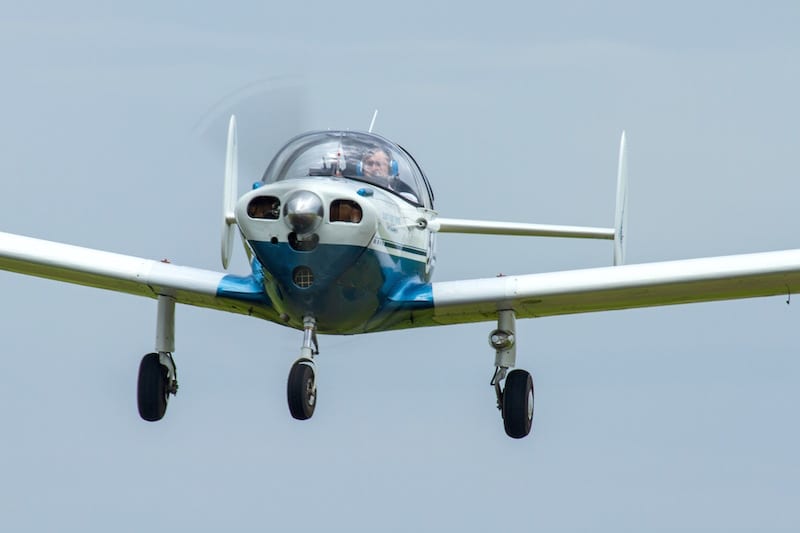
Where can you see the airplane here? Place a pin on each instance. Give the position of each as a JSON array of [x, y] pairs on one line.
[[340, 235]]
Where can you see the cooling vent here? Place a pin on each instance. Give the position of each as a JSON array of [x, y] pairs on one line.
[[303, 277], [345, 211], [267, 207]]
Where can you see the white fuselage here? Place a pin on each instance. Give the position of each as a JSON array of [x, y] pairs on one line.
[[347, 272]]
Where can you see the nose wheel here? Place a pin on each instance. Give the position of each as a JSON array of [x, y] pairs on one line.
[[301, 388]]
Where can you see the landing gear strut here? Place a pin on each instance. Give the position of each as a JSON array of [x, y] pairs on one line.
[[301, 388], [515, 401], [158, 377]]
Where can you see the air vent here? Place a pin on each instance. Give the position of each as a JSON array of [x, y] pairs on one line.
[[267, 207], [346, 211], [303, 277]]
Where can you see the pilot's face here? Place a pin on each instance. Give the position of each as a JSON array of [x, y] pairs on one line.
[[376, 164]]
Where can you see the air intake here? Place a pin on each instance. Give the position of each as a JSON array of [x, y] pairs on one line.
[[303, 277]]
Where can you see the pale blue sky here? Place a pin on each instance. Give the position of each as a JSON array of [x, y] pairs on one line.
[[681, 418]]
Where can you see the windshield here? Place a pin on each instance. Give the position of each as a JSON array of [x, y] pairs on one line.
[[361, 156]]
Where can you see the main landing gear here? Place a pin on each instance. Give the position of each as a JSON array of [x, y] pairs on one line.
[[158, 376], [515, 401], [301, 388]]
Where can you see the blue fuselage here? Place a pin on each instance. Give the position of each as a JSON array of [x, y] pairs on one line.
[[352, 274], [355, 289]]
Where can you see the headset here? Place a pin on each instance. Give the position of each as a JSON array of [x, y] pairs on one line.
[[393, 168]]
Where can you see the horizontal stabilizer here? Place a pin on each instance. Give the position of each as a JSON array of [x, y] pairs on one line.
[[489, 227]]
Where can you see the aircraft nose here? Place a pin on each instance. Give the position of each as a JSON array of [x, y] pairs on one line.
[[302, 212]]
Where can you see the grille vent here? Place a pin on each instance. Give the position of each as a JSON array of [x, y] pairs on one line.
[[303, 277]]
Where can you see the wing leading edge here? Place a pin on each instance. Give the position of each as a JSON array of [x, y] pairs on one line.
[[132, 275], [454, 302], [620, 287]]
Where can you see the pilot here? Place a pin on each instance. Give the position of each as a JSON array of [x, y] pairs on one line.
[[377, 163]]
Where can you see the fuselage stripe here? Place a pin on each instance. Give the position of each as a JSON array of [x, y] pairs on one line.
[[400, 247]]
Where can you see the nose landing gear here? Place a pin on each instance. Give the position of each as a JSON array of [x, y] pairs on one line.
[[301, 388], [515, 401]]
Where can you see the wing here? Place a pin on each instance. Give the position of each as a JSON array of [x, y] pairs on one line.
[[619, 287], [133, 275]]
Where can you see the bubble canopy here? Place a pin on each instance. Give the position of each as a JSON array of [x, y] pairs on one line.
[[354, 155]]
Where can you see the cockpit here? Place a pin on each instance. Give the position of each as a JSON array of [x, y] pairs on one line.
[[364, 157]]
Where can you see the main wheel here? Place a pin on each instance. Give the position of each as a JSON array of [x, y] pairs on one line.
[[301, 390], [518, 404], [152, 391]]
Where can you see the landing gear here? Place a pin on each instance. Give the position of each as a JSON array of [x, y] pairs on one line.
[[301, 388], [158, 377], [156, 382], [515, 401], [518, 404]]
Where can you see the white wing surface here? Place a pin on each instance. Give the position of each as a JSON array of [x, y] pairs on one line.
[[448, 302], [128, 274], [620, 287]]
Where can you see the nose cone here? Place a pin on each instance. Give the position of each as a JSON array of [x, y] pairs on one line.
[[302, 212]]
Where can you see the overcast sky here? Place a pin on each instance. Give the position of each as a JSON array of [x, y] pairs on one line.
[[679, 418]]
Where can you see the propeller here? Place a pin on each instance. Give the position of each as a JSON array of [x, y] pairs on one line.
[[230, 191], [264, 114]]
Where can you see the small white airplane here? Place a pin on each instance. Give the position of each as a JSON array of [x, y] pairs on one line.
[[340, 234]]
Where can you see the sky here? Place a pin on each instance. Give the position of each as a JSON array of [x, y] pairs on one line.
[[663, 419]]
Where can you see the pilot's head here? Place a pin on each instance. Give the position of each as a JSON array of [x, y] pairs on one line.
[[375, 162]]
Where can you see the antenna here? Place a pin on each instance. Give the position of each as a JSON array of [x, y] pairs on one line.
[[372, 123]]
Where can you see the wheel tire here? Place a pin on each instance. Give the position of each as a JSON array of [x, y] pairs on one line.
[[301, 390], [518, 404], [152, 389]]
